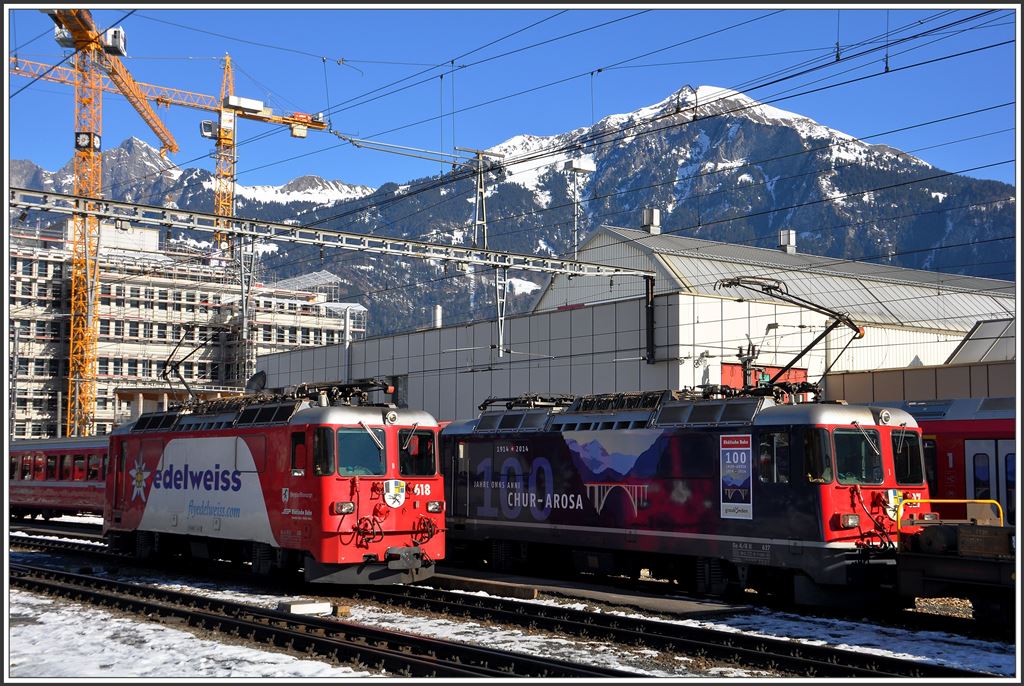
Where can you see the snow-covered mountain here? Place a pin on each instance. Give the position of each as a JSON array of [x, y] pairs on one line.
[[717, 163]]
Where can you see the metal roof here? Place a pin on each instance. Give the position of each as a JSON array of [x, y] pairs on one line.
[[306, 282], [872, 293], [989, 341]]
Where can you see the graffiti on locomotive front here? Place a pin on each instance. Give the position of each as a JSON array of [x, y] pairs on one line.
[[517, 483], [581, 477]]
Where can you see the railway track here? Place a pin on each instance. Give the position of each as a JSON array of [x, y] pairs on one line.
[[776, 655], [894, 618], [71, 529], [396, 653]]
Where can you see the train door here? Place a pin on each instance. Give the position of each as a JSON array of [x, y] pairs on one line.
[[297, 491], [458, 483], [1006, 458], [991, 473], [121, 477]]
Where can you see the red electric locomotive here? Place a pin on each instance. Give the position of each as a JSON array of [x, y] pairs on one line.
[[970, 451], [315, 479], [55, 477], [719, 494]]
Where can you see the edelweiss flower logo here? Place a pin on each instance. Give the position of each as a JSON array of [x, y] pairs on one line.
[[138, 475]]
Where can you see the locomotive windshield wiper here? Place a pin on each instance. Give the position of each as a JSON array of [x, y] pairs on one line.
[[903, 433], [408, 439], [866, 437], [380, 446]]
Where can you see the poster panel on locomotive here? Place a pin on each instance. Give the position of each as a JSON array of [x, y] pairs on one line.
[[736, 466], [637, 478], [203, 486]]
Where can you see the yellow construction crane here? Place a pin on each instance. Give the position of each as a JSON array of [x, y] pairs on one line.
[[228, 107], [98, 68], [95, 54]]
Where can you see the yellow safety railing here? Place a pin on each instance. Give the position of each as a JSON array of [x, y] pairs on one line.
[[917, 522]]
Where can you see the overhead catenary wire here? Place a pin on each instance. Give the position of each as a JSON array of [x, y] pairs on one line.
[[455, 177]]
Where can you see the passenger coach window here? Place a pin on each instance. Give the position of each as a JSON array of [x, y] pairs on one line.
[[858, 457], [817, 456], [907, 458], [359, 454], [982, 478], [773, 465], [94, 468], [416, 453], [51, 467], [323, 452]]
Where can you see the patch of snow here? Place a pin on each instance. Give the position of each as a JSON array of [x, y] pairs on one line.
[[745, 106], [829, 191], [543, 247], [192, 243], [522, 287], [324, 194], [120, 647], [939, 196], [745, 178]]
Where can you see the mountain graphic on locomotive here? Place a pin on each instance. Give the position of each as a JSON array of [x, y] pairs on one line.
[[314, 478], [717, 489]]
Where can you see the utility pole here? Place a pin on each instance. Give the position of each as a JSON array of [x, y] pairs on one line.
[[14, 379], [480, 213], [583, 165]]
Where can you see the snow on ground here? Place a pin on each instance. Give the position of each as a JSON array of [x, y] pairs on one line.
[[118, 647], [926, 646], [934, 647]]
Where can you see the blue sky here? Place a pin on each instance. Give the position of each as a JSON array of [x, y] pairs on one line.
[[278, 58]]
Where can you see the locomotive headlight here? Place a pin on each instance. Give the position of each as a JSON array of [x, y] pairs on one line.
[[849, 521], [435, 506], [930, 516], [343, 508]]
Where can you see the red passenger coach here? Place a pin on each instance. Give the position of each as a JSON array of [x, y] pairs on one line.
[[55, 477], [970, 451], [315, 479]]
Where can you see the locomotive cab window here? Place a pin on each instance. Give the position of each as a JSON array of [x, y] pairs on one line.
[[773, 461], [323, 452], [858, 457], [416, 453], [907, 458], [361, 452], [817, 456]]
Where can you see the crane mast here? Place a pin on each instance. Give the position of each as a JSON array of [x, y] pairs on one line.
[[93, 55], [224, 189], [96, 69]]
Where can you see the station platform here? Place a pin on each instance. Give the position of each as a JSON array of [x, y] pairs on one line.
[[530, 588]]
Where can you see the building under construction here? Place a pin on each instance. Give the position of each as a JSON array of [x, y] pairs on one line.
[[162, 301]]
